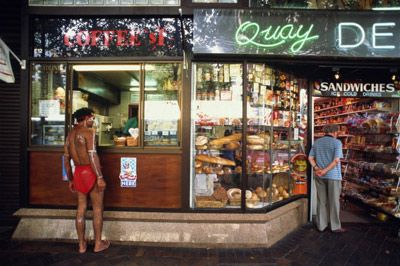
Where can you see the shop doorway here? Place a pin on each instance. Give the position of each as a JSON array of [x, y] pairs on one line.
[[366, 110]]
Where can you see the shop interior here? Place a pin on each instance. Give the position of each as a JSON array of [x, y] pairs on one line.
[[369, 130]]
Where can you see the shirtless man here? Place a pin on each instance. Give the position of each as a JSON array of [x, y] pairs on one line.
[[87, 177]]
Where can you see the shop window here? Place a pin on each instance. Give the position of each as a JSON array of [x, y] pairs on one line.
[[135, 105], [162, 89], [217, 112], [48, 85], [272, 127]]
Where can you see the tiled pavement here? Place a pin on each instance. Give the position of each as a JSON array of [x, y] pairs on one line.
[[363, 244]]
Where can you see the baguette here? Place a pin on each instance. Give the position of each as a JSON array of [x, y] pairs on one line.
[[214, 159], [226, 139]]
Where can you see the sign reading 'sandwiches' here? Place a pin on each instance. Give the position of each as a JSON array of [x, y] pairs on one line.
[[355, 89]]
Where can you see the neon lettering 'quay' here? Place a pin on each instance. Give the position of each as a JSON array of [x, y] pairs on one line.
[[250, 33]]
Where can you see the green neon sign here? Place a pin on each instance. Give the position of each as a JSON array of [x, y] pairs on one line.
[[249, 33]]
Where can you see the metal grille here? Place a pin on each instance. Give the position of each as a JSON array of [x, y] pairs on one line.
[[10, 119]]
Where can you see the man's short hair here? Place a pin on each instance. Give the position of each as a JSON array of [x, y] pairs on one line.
[[80, 114], [331, 129]]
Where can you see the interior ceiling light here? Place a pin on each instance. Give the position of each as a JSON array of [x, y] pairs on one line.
[[393, 74], [106, 67], [336, 74]]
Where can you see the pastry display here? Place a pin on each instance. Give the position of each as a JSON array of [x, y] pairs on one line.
[[214, 160], [264, 146]]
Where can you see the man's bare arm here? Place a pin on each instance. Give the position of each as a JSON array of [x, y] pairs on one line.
[[93, 157], [67, 160]]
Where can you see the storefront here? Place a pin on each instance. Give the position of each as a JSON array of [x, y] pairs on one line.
[[81, 62], [221, 140], [301, 75]]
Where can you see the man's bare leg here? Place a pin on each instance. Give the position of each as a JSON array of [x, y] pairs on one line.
[[97, 202], [80, 221]]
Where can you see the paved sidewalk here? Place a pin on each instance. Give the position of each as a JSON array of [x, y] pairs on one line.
[[363, 244]]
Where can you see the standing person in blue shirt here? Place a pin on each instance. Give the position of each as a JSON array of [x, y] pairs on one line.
[[325, 157]]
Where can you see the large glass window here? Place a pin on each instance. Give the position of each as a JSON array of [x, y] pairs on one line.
[[48, 104], [217, 111], [254, 155], [162, 104], [131, 101]]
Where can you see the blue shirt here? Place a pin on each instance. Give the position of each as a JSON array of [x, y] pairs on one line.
[[325, 150]]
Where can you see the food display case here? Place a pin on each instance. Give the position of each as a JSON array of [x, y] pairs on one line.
[[249, 146], [53, 134]]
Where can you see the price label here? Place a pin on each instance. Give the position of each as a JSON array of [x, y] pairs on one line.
[[154, 132], [296, 134], [165, 133]]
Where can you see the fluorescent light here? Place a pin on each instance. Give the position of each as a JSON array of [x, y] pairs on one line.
[[106, 67], [150, 88], [397, 8], [134, 89]]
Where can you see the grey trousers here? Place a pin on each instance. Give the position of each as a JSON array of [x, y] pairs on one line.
[[328, 204]]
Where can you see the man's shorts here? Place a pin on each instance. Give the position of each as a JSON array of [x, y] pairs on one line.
[[84, 178]]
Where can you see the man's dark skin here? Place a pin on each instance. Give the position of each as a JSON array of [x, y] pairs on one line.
[[80, 147]]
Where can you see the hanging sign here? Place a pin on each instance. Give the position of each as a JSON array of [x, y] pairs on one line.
[[356, 89], [6, 73], [128, 174], [296, 32]]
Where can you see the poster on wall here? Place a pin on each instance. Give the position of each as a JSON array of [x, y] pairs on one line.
[[128, 174]]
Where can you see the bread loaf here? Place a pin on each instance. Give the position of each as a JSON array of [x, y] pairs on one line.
[[233, 145], [255, 140], [227, 139], [201, 140], [214, 159]]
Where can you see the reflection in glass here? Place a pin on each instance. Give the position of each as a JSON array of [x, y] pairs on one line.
[[217, 133], [162, 90], [275, 134], [48, 104]]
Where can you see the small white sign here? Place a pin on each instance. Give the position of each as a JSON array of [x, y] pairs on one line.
[[128, 173]]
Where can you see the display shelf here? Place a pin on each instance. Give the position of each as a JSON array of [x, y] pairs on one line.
[[360, 202], [353, 112], [339, 136], [341, 105], [340, 123], [377, 189], [372, 151]]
